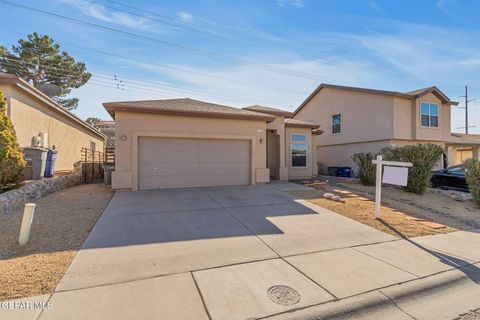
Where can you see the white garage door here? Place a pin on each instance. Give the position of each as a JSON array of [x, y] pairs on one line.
[[181, 163]]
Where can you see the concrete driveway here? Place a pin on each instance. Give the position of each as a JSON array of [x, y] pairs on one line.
[[240, 253]]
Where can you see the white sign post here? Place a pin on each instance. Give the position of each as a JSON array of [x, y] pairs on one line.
[[395, 173]]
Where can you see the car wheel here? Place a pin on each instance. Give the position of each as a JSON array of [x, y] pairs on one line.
[[432, 184]]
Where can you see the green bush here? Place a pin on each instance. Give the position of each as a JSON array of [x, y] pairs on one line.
[[11, 156], [422, 156], [366, 169], [472, 168]]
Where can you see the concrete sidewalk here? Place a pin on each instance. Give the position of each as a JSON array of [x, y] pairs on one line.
[[256, 252]]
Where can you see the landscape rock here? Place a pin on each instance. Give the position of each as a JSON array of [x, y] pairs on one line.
[[35, 190], [337, 198], [328, 195]]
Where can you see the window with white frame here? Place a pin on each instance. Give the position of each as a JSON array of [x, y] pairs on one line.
[[298, 149], [336, 123], [429, 114]]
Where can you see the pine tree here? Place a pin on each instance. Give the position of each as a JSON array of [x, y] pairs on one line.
[[11, 156], [39, 60]]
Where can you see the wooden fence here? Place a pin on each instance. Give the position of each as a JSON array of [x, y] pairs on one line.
[[110, 156]]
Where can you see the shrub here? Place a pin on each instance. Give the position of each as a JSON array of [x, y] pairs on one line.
[[366, 169], [422, 156], [11, 156], [472, 173]]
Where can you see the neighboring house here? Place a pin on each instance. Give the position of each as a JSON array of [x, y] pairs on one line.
[[180, 143], [366, 120], [108, 129], [37, 117]]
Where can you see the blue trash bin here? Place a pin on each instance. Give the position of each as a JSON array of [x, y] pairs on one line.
[[345, 172], [50, 163]]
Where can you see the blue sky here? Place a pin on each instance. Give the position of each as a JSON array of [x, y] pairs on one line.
[[269, 52]]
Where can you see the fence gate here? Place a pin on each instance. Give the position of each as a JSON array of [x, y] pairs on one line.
[[92, 165]]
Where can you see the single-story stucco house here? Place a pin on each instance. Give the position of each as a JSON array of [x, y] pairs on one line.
[[366, 120], [180, 143], [35, 116]]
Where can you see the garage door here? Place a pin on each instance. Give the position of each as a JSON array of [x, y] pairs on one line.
[[181, 163]]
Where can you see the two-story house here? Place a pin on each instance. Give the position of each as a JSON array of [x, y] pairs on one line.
[[366, 120]]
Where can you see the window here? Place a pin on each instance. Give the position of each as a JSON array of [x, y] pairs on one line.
[[456, 170], [336, 123], [298, 149], [92, 146], [429, 114]]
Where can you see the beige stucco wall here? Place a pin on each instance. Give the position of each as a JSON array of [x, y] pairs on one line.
[[403, 123], [134, 125], [341, 155], [30, 116], [365, 116], [442, 132], [311, 168]]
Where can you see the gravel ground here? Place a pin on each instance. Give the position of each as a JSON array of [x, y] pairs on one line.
[[362, 209], [472, 315], [61, 223], [463, 215]]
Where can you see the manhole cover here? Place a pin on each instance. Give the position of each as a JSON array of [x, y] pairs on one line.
[[283, 295]]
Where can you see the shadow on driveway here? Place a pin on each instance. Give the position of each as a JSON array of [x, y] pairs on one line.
[[469, 269]]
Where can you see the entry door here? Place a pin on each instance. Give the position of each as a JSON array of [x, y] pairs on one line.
[[182, 163]]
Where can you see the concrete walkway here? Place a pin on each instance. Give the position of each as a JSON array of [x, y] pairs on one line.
[[256, 252]]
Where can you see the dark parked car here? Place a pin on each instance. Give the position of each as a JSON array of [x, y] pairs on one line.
[[450, 178]]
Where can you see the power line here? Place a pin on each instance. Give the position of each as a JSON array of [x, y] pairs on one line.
[[163, 42], [209, 31], [131, 84], [109, 54]]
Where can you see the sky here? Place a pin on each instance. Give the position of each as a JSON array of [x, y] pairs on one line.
[[267, 52]]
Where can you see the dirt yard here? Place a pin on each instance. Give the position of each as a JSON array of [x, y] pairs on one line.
[[437, 207], [362, 210], [61, 223]]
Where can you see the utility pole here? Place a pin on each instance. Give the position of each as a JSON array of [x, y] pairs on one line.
[[466, 108]]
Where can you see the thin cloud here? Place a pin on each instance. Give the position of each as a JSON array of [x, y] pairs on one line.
[[102, 13], [185, 16], [447, 7], [374, 5], [292, 3]]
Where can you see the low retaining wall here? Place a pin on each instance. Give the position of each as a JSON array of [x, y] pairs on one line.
[[35, 190]]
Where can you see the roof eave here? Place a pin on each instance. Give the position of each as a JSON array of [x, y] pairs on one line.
[[438, 93], [302, 125], [279, 113], [112, 108], [365, 90]]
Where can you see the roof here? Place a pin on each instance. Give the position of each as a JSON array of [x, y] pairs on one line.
[[29, 89], [301, 124], [185, 106], [421, 92], [407, 95], [269, 110], [106, 123], [464, 139]]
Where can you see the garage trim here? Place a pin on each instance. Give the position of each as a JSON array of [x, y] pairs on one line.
[[160, 134]]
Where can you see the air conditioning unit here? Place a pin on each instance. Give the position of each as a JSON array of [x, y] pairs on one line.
[[41, 140], [36, 141], [44, 139]]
